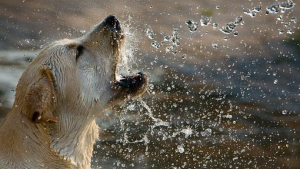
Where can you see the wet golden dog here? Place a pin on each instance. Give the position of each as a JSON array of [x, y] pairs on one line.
[[70, 83]]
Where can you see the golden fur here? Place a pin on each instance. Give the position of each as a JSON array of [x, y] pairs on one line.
[[59, 95]]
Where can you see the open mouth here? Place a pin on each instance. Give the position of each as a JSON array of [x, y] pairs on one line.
[[117, 38], [133, 85]]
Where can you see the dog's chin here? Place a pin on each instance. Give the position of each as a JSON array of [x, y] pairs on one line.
[[130, 87]]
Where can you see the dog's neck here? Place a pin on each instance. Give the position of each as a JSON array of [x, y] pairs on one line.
[[73, 138], [19, 135]]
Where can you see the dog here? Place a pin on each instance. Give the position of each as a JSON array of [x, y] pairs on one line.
[[58, 97]]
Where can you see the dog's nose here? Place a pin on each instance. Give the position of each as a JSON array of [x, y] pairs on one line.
[[113, 23]]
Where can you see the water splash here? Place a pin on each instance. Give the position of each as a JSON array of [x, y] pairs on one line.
[[215, 45], [128, 52], [155, 44], [287, 5], [238, 20], [188, 132], [249, 12], [231, 26], [253, 12], [157, 122], [215, 25], [149, 33], [205, 20], [206, 133], [192, 25], [173, 40], [293, 20], [174, 37], [281, 8], [273, 9], [180, 148], [257, 8], [290, 31], [125, 138], [157, 125]]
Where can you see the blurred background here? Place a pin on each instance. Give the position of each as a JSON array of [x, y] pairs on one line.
[[224, 78]]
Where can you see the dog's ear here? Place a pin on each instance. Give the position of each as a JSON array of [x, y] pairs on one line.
[[40, 98]]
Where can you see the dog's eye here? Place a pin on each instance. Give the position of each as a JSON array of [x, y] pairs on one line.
[[79, 51]]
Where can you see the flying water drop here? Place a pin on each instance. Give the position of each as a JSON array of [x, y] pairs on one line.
[[192, 25], [149, 33], [204, 21]]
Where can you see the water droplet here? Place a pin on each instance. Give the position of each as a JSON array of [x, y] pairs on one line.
[[175, 38], [131, 107], [284, 112], [151, 86], [166, 38], [168, 89], [155, 44], [188, 132], [204, 21], [228, 116], [279, 17], [257, 8], [294, 19], [215, 45], [149, 33], [249, 12], [82, 31], [238, 20], [228, 28], [273, 9], [287, 5], [180, 148], [192, 25], [290, 31], [281, 32], [206, 132], [215, 25]]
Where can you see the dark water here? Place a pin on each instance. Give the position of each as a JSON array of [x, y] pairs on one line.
[[215, 100]]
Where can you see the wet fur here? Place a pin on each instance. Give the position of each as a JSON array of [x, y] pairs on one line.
[[59, 95]]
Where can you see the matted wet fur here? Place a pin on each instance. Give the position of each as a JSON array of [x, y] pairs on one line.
[[69, 84]]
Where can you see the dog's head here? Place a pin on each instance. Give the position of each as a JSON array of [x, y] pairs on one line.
[[78, 73]]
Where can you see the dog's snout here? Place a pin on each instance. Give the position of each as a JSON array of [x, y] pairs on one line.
[[113, 23]]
